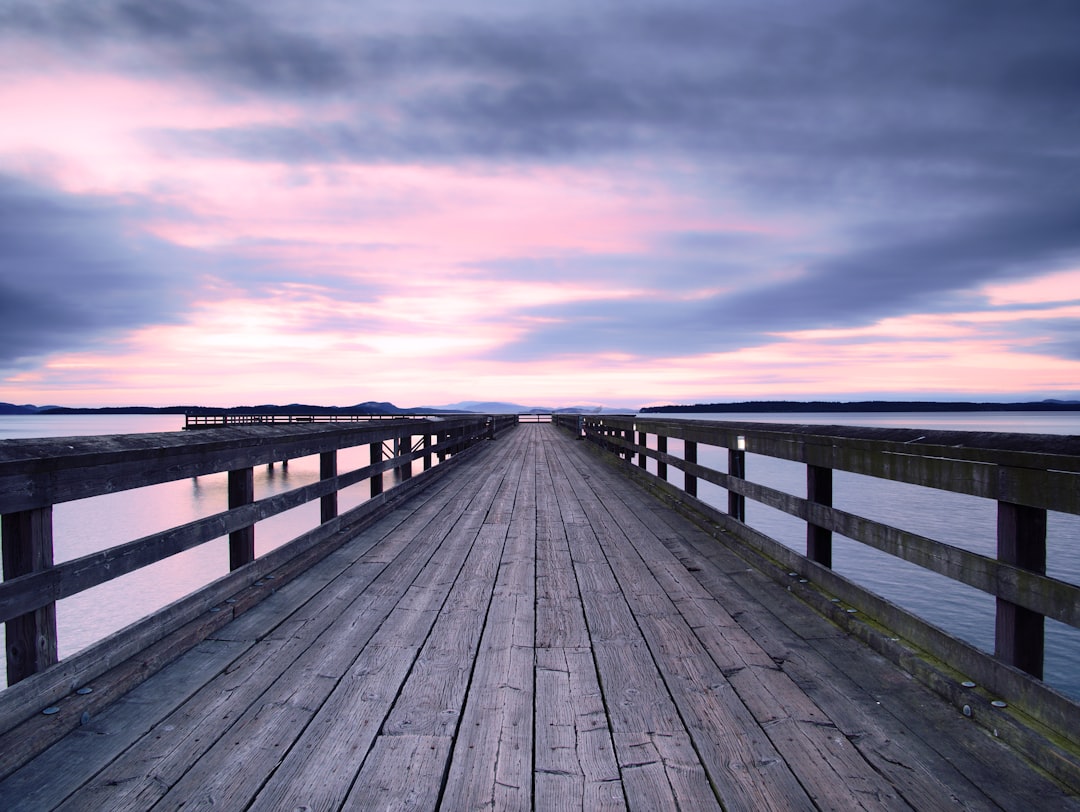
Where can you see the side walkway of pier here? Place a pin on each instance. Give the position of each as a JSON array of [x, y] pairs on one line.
[[533, 632]]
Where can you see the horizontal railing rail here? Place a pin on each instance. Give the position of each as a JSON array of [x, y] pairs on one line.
[[204, 420], [201, 420], [1026, 475], [37, 474]]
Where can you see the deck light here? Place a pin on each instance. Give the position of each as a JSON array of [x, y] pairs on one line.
[[740, 443]]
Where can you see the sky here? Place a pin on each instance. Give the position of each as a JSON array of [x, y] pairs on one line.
[[606, 203]]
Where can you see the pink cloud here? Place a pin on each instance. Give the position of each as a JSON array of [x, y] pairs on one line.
[[90, 131], [1056, 287]]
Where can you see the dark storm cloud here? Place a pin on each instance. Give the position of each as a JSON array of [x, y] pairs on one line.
[[71, 273]]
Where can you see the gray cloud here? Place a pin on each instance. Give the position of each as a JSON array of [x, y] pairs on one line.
[[884, 275], [930, 146], [230, 41], [72, 272]]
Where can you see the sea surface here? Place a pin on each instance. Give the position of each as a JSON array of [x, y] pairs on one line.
[[88, 525]]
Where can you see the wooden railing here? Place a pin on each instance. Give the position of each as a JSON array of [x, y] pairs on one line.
[[1026, 475], [37, 474], [202, 420], [206, 420]]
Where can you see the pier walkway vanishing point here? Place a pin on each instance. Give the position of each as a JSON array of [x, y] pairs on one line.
[[532, 631]]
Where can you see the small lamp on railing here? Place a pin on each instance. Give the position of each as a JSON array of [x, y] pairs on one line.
[[740, 443]]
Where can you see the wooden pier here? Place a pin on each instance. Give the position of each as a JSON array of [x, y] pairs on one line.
[[530, 631]]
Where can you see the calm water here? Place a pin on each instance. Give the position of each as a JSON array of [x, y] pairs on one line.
[[88, 525]]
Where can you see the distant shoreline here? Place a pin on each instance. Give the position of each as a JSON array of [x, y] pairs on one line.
[[863, 406], [292, 408], [751, 406]]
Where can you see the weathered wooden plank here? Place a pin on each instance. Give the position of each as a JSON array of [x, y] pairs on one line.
[[575, 757], [65, 767], [406, 541], [747, 770], [882, 739], [330, 702], [306, 775], [560, 619], [891, 719], [928, 795], [403, 772], [654, 750], [319, 770], [52, 685], [493, 752], [431, 700], [674, 640], [1046, 706], [322, 766]]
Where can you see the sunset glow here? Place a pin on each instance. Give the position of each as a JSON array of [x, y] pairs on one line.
[[275, 203]]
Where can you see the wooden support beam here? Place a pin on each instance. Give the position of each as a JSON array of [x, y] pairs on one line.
[[736, 501], [328, 470], [28, 547], [376, 458], [405, 447], [1021, 540], [642, 439], [242, 541], [661, 446], [690, 455], [819, 489]]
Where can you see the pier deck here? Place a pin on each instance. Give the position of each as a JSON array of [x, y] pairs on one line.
[[532, 632]]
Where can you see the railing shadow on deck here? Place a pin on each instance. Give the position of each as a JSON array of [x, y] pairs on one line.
[[37, 474], [1026, 475]]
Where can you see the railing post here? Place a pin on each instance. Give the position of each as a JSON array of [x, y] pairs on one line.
[[736, 502], [242, 541], [427, 452], [376, 458], [661, 447], [28, 547], [690, 455], [819, 489], [406, 444], [328, 470], [642, 441], [1021, 541]]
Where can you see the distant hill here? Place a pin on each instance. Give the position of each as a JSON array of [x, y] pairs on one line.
[[498, 407], [11, 408], [489, 407], [820, 406]]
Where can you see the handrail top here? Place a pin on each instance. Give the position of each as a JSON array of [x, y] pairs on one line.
[[66, 450], [1038, 450]]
